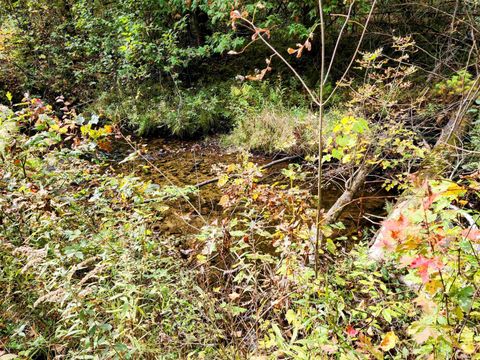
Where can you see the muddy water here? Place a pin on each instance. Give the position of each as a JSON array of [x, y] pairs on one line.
[[182, 163]]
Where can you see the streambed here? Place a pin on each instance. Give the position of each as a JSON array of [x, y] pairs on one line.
[[182, 163]]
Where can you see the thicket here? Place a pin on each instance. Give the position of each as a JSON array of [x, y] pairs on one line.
[[87, 275], [172, 57]]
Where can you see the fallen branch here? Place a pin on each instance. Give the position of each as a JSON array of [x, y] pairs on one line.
[[266, 166], [352, 187]]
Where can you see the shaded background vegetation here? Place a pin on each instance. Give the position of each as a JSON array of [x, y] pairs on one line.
[[164, 66]]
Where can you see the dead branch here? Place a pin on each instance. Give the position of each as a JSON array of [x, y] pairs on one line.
[[353, 186], [263, 167]]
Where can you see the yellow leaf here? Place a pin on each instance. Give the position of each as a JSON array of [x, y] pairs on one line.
[[291, 51], [231, 168], [454, 190], [389, 341], [433, 286], [224, 200], [467, 341], [223, 180]]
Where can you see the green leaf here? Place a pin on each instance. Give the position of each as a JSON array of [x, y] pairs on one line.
[[387, 315], [360, 126], [290, 316], [337, 154], [465, 298], [343, 141]]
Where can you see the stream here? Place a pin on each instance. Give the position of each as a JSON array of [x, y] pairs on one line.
[[183, 163]]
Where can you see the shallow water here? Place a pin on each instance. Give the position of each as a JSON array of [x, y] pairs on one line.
[[182, 163]]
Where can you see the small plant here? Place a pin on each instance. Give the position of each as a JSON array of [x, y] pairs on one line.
[[459, 84]]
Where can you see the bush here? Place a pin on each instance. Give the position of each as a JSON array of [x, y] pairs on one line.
[[82, 274]]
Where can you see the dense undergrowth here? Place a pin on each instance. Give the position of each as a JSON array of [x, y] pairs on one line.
[[172, 67], [85, 275]]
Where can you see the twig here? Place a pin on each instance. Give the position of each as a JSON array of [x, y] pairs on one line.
[[266, 166]]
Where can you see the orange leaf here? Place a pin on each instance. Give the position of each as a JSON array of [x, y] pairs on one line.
[[351, 331], [423, 265], [389, 341]]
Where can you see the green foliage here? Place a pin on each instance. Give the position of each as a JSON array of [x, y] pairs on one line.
[[85, 274], [154, 110], [459, 84], [82, 274], [356, 307], [84, 46], [195, 111], [269, 118]]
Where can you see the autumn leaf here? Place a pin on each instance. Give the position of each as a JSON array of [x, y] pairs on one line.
[[429, 200], [308, 45], [223, 180], [260, 75], [392, 231], [235, 14], [389, 341], [428, 306], [454, 190], [299, 53], [395, 228], [258, 32], [427, 333], [224, 200], [424, 266], [471, 234], [351, 331]]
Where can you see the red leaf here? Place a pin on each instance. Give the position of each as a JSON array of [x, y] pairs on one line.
[[395, 228], [392, 231], [351, 331], [429, 200], [423, 265]]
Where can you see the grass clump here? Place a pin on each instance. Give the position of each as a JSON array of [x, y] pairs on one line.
[[275, 129], [155, 110]]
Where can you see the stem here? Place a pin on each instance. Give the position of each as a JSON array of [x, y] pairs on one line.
[[357, 49], [338, 40], [319, 234], [297, 75]]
